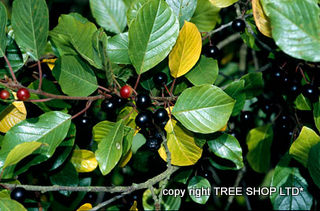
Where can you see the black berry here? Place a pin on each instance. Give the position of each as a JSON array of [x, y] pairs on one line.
[[144, 119], [160, 116], [238, 25], [108, 106], [311, 92], [118, 101], [212, 51], [143, 101], [246, 117], [18, 194], [153, 144], [293, 90], [160, 79]]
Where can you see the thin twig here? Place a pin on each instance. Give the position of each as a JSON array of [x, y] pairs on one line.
[[137, 82], [228, 40], [105, 203], [236, 184], [40, 75], [83, 110], [10, 68]]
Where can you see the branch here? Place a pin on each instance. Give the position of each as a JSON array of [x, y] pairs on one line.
[[10, 68], [173, 98], [15, 86], [228, 40], [40, 75], [236, 184], [105, 203], [110, 189]]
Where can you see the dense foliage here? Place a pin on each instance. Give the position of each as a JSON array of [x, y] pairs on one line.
[[108, 107]]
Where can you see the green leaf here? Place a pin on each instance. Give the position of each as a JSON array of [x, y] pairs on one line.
[[207, 67], [74, 30], [206, 113], [254, 84], [21, 151], [138, 141], [6, 204], [314, 163], [118, 49], [109, 149], [133, 10], [296, 35], [300, 148], [183, 176], [227, 147], [3, 25], [183, 9], [72, 73], [283, 177], [50, 128], [302, 103], [199, 183], [259, 142], [67, 176], [236, 91], [30, 22], [316, 114], [206, 16], [152, 35], [109, 14]]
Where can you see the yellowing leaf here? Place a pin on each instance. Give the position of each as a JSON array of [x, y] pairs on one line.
[[12, 115], [186, 51], [50, 62], [223, 3], [125, 160], [84, 160], [262, 21], [224, 128], [86, 206], [181, 144], [134, 206]]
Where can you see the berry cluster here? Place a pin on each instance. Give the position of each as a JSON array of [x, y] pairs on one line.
[[23, 94]]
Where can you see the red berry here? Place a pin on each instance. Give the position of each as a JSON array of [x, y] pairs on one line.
[[4, 94], [23, 94], [126, 91]]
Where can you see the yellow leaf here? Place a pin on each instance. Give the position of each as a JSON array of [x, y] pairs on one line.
[[134, 206], [181, 144], [12, 115], [125, 160], [50, 62], [223, 3], [262, 21], [186, 51], [84, 207], [84, 160]]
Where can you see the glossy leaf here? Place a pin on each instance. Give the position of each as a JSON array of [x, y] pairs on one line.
[[152, 35], [314, 163], [12, 115], [186, 52], [7, 204], [302, 103], [316, 114], [206, 16], [50, 128], [181, 144], [207, 67], [84, 207], [76, 33], [283, 177], [206, 113], [227, 147], [118, 49], [84, 160], [300, 148], [260, 18], [109, 14], [133, 10], [72, 73], [296, 35], [20, 151], [109, 149], [3, 25], [30, 22], [183, 9], [199, 183], [236, 91], [259, 142], [254, 84], [223, 3]]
